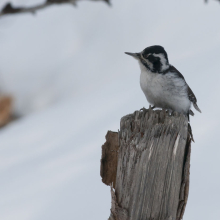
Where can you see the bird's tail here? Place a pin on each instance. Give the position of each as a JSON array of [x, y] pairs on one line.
[[196, 107]]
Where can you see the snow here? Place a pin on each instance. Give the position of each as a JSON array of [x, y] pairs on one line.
[[71, 81]]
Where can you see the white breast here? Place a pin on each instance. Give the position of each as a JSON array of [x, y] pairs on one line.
[[165, 91]]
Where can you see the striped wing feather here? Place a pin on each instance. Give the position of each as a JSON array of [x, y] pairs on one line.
[[191, 95]]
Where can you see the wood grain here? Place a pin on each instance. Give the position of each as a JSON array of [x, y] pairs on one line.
[[152, 180]]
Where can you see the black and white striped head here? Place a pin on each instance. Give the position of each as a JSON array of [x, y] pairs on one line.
[[153, 58]]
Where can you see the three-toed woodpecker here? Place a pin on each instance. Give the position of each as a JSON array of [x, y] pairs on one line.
[[163, 85]]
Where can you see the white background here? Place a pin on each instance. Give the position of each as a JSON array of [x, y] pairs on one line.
[[71, 82]]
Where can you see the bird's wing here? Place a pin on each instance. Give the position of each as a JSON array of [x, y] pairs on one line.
[[191, 95], [193, 99], [172, 69]]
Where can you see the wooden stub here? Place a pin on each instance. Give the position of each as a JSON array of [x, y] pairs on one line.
[[109, 158], [152, 181], [5, 109]]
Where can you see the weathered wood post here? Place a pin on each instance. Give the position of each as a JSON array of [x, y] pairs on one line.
[[147, 166]]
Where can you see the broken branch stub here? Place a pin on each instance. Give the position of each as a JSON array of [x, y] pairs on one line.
[[152, 180]]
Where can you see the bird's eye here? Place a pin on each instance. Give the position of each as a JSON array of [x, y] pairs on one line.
[[152, 58]]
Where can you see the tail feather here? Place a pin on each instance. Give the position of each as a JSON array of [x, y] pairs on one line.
[[196, 107]]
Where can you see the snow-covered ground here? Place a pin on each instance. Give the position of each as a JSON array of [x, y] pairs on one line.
[[71, 81]]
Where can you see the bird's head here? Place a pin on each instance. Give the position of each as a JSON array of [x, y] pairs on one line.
[[153, 58]]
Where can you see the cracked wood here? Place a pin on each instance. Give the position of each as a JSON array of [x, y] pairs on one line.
[[152, 180]]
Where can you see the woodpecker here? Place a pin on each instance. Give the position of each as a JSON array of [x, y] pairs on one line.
[[163, 85]]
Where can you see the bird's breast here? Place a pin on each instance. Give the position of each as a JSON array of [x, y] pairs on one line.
[[152, 85], [165, 91]]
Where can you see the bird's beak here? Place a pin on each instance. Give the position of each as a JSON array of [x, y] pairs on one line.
[[135, 55]]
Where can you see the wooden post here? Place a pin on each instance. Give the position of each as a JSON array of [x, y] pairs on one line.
[[147, 166]]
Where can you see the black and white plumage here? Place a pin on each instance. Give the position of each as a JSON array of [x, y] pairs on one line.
[[163, 85]]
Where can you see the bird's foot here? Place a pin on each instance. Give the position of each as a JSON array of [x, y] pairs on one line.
[[144, 109]]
